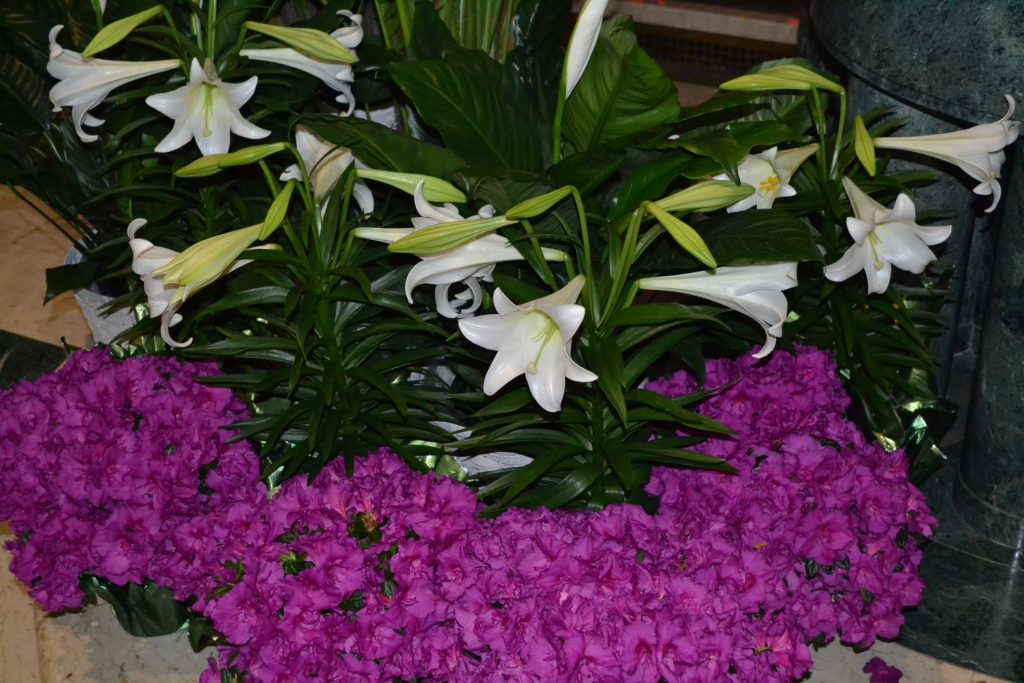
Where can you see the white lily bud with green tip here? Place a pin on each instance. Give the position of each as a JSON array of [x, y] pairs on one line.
[[884, 238], [534, 339], [85, 83], [977, 151], [337, 77], [207, 109], [468, 263], [769, 174], [325, 163], [755, 291]]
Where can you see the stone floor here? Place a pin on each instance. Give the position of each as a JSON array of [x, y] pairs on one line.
[[89, 646]]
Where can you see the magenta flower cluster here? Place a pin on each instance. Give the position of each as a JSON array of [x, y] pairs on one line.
[[390, 574]]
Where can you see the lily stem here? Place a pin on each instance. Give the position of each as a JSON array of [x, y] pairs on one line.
[[556, 126], [839, 134], [211, 28], [590, 292], [549, 276]]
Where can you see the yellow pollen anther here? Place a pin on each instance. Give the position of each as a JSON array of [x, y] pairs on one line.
[[770, 184]]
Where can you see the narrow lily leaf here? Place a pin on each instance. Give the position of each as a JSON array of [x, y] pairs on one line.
[[310, 42], [116, 31], [434, 189], [782, 77], [687, 237], [537, 205], [277, 211], [706, 196], [863, 145], [437, 239]]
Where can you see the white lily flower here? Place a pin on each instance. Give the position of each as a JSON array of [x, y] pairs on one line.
[[769, 174], [534, 338], [206, 109], [468, 263], [325, 162], [160, 296], [337, 77], [755, 291], [884, 238], [85, 83], [978, 151], [582, 41]]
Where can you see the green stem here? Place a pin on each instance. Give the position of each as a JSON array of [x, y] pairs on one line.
[[818, 114], [839, 134], [405, 21], [549, 276], [625, 260], [211, 28], [590, 291], [556, 126]]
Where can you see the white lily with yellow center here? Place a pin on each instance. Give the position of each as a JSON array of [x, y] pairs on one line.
[[469, 263], [884, 238], [325, 163], [534, 339], [208, 110], [978, 151], [85, 83], [337, 77], [755, 291], [769, 173]]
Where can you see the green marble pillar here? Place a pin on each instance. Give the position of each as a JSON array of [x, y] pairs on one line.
[[942, 65]]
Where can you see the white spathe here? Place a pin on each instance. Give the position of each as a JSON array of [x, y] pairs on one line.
[[84, 83], [208, 110], [755, 291], [582, 42], [884, 238], [325, 163], [534, 339], [978, 150], [337, 77], [769, 173]]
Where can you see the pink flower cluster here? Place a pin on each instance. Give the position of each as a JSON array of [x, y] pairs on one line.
[[389, 574]]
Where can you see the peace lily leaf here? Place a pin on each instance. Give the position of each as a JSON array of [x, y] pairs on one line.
[[720, 145], [383, 148], [622, 92], [763, 236], [479, 108], [649, 181], [538, 205], [687, 237], [863, 145], [278, 210], [434, 189], [209, 165], [116, 31], [782, 77], [443, 237], [310, 42]]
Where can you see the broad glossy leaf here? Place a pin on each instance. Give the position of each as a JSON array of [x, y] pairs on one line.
[[586, 170], [382, 148], [478, 108], [623, 92], [759, 236], [649, 182]]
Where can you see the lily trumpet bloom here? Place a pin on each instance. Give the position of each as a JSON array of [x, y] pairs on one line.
[[769, 174], [325, 163], [85, 83], [755, 291], [534, 339], [207, 109], [147, 258], [469, 263], [978, 151], [884, 238], [337, 77]]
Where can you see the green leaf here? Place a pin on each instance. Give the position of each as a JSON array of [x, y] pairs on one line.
[[718, 144], [116, 31], [382, 148], [649, 182], [586, 170], [656, 314], [672, 410], [508, 403], [539, 31], [477, 107], [143, 611], [757, 237], [622, 92]]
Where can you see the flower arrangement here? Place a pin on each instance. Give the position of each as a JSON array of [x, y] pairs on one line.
[[391, 573], [409, 237]]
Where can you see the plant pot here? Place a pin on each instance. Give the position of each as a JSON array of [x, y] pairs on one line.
[[104, 327]]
